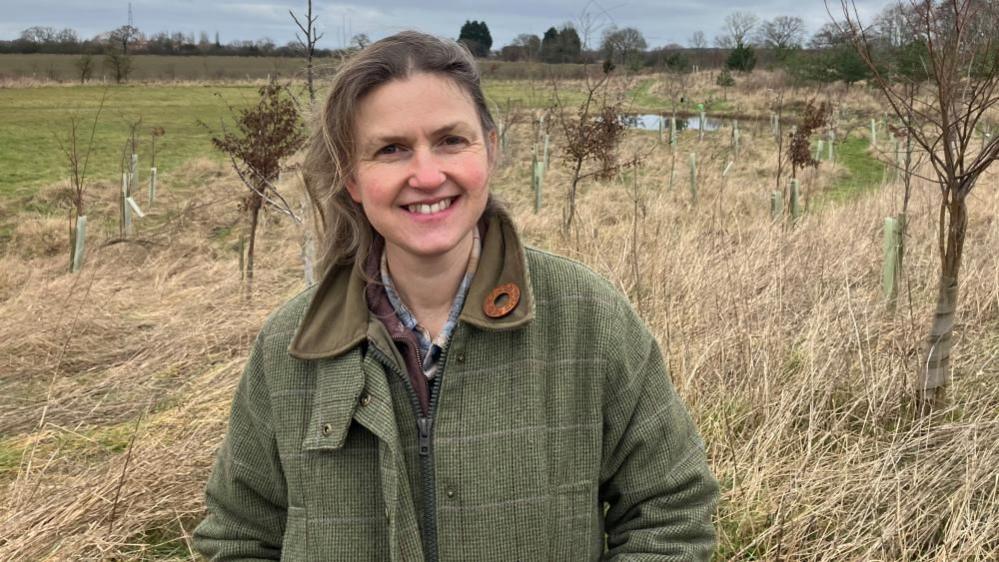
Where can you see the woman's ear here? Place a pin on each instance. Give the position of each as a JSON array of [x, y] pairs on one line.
[[353, 189]]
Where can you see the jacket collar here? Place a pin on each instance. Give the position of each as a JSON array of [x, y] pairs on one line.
[[336, 319]]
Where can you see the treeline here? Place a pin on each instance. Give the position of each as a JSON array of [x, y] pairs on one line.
[[48, 40]]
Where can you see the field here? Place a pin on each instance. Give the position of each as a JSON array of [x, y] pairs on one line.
[[116, 381]]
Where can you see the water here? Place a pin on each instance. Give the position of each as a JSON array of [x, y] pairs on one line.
[[650, 122]]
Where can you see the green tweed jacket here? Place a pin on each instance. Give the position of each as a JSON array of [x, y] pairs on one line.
[[554, 432]]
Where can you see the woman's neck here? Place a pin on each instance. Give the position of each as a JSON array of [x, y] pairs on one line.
[[428, 285]]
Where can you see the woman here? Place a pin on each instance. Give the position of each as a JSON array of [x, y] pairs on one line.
[[444, 393]]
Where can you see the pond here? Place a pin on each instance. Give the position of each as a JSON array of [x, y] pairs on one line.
[[650, 122]]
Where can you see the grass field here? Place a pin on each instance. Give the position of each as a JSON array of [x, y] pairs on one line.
[[61, 68], [33, 122], [116, 382], [36, 120]]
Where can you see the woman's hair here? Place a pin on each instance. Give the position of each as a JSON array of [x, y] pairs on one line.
[[331, 151]]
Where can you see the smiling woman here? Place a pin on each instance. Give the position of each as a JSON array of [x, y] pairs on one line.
[[445, 393]]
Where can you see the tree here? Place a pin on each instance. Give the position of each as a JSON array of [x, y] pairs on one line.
[[963, 86], [623, 46], [813, 117], [119, 64], [561, 45], [123, 37], [592, 135], [84, 67], [265, 134], [828, 36], [782, 34], [591, 20], [742, 58], [725, 80], [528, 45], [737, 29], [78, 162], [475, 35], [698, 41], [549, 46], [116, 57], [308, 44], [360, 40]]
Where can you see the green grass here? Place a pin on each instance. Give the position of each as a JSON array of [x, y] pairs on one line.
[[863, 171], [155, 67], [35, 119]]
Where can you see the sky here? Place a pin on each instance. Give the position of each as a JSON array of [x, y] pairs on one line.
[[660, 21]]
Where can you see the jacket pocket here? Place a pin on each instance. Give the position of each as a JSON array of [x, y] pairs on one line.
[[294, 546], [575, 507]]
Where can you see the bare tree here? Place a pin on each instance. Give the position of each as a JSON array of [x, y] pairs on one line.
[[959, 54], [782, 32], [698, 41], [737, 29], [308, 44], [116, 57], [360, 41], [84, 67], [591, 20], [623, 46], [78, 174]]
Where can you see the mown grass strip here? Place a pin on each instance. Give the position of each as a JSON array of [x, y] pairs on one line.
[[863, 171]]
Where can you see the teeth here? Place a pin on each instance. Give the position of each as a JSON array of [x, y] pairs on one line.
[[425, 209]]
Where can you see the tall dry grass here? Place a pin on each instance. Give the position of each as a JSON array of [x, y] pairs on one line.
[[116, 381]]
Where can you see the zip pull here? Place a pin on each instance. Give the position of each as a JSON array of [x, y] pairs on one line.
[[424, 424]]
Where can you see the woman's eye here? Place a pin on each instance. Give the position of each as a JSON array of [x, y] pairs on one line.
[[388, 150]]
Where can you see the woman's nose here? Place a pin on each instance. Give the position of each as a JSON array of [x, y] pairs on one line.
[[426, 171]]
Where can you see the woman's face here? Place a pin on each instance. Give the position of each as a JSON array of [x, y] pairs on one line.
[[423, 166]]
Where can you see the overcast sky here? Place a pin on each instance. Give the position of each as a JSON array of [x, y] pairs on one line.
[[661, 21]]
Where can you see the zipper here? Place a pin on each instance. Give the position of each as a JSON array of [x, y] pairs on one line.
[[425, 429]]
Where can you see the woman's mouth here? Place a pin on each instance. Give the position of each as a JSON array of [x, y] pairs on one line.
[[429, 209]]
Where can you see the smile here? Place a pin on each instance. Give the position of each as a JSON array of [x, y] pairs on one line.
[[425, 209]]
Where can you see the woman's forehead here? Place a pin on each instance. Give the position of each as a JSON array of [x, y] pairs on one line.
[[422, 102]]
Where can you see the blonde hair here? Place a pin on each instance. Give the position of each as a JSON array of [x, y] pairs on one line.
[[343, 228]]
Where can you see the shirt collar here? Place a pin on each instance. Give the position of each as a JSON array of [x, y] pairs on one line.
[[336, 318]]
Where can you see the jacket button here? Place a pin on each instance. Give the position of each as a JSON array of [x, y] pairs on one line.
[[365, 399], [327, 429], [450, 493], [460, 357]]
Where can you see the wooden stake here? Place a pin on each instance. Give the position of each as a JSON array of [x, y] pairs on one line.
[[874, 134], [700, 132], [242, 251], [672, 132]]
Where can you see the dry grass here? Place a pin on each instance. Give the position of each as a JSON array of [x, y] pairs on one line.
[[776, 336]]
